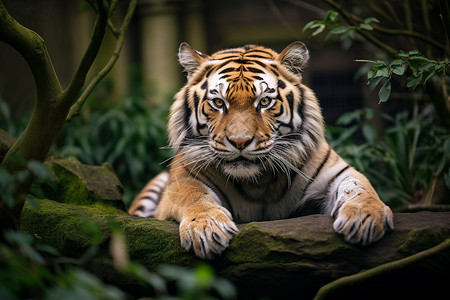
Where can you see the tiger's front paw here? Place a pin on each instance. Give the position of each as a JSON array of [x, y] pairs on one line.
[[208, 233], [363, 222]]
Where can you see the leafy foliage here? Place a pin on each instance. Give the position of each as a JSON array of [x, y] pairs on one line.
[[417, 67], [129, 136], [401, 160], [421, 70], [34, 171], [12, 124], [332, 23]]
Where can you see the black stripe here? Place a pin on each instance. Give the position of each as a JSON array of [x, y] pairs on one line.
[[255, 70], [337, 175], [196, 101], [227, 70], [290, 99], [150, 198], [152, 190], [241, 61], [200, 76], [281, 111], [141, 208], [259, 50], [210, 69], [187, 115], [301, 112], [274, 69], [258, 56], [260, 63], [324, 161]]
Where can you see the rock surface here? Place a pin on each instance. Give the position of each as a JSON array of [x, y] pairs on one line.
[[276, 259], [78, 183]]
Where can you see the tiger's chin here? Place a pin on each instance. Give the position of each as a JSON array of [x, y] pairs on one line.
[[241, 169]]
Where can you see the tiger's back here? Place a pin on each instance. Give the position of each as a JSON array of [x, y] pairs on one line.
[[249, 142]]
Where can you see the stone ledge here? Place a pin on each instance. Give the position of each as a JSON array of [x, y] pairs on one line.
[[275, 259]]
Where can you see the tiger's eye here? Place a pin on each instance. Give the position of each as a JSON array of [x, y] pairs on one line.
[[265, 101], [219, 103]]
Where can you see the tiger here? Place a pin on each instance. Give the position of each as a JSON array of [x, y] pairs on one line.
[[249, 145]]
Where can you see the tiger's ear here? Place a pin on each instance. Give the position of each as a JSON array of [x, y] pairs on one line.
[[295, 57], [190, 58]]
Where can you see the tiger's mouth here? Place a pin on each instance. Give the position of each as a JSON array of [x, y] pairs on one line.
[[242, 167], [240, 159]]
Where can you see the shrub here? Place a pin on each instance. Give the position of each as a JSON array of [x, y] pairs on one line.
[[129, 136], [404, 161]]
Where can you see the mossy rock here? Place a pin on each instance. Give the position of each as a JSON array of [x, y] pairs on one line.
[[273, 259], [82, 184], [72, 229]]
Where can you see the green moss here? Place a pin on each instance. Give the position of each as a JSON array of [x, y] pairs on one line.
[[73, 229], [71, 188], [257, 245], [154, 241], [67, 227], [82, 184]]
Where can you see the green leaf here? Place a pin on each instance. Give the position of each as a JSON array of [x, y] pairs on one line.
[[385, 91], [38, 169], [428, 77], [366, 26], [309, 25], [33, 203], [398, 70], [396, 62], [403, 54], [413, 81], [376, 80], [366, 61], [320, 28], [351, 33], [368, 133], [332, 16], [338, 30], [371, 19], [382, 71]]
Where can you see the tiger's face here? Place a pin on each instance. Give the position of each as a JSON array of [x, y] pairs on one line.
[[243, 109]]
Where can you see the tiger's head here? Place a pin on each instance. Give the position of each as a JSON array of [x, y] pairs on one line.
[[245, 111]]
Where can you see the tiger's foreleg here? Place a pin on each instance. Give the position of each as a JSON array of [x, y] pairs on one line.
[[359, 213], [205, 226]]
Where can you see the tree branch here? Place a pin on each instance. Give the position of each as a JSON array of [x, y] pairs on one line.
[[445, 15], [370, 274], [32, 47], [426, 22], [408, 20], [89, 56], [364, 33], [76, 107]]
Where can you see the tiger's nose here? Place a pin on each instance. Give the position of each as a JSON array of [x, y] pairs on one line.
[[240, 142]]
